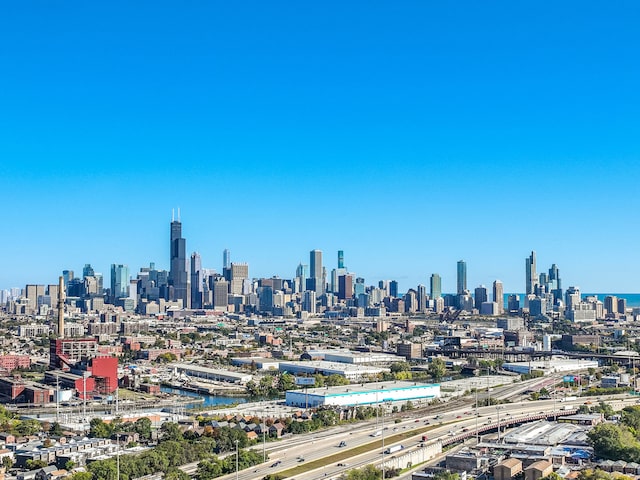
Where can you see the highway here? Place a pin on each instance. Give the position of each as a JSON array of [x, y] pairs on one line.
[[448, 427]]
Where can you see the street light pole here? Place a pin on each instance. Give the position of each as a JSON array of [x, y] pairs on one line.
[[477, 431], [264, 444], [498, 410]]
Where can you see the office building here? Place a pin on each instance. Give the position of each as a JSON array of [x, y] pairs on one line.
[[462, 277], [341, 259], [531, 278], [422, 298], [316, 272], [220, 294], [393, 288], [480, 296], [345, 287], [436, 286], [239, 277], [309, 301], [226, 259], [498, 295], [555, 284], [178, 277], [67, 275], [119, 281], [197, 280]]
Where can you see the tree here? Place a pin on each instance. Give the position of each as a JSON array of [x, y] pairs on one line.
[[55, 429], [437, 369], [397, 367], [143, 428], [369, 472], [99, 429], [7, 463], [171, 431], [446, 475], [81, 476]]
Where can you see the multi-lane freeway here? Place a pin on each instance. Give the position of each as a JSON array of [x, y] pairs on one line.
[[447, 427]]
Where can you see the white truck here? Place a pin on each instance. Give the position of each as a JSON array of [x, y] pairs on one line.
[[393, 449]]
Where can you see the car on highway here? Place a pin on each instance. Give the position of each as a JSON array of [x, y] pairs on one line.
[[276, 463], [417, 420], [459, 416], [341, 464], [342, 444], [300, 459]]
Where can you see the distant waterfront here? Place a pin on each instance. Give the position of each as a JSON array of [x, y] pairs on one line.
[[633, 299]]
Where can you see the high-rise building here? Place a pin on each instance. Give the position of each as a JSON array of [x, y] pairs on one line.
[[178, 277], [555, 285], [340, 259], [67, 275], [480, 297], [316, 272], [498, 296], [197, 278], [421, 295], [226, 259], [309, 301], [393, 288], [462, 277], [622, 306], [345, 287], [239, 277], [531, 278], [119, 281], [436, 286], [611, 304], [513, 303], [87, 271], [220, 294]]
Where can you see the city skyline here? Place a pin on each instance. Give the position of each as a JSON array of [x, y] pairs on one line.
[[408, 136], [184, 267]]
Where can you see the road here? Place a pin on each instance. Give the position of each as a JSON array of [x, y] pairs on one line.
[[325, 444]]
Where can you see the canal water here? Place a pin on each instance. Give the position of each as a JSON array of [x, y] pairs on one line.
[[209, 400]]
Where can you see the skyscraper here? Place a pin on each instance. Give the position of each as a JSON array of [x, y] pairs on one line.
[[340, 259], [316, 273], [178, 278], [119, 281], [393, 288], [197, 278], [462, 276], [531, 278], [436, 286], [226, 259], [498, 296], [480, 296]]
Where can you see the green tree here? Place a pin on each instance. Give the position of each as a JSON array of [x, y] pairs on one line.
[[437, 369], [35, 464], [55, 429], [336, 379], [99, 429], [369, 472], [81, 476], [209, 469], [446, 475], [397, 367], [286, 381], [143, 428], [171, 431]]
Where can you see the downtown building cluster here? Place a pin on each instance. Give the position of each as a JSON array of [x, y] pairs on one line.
[[188, 286]]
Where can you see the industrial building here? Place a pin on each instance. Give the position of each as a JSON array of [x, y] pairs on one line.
[[363, 394], [258, 362], [550, 366], [211, 374], [352, 372]]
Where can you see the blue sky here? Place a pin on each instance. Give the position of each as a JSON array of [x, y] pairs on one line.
[[408, 134]]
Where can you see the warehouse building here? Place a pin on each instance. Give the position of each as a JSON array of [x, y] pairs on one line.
[[354, 373], [211, 374], [363, 394]]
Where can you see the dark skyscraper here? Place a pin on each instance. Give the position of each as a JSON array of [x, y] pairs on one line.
[[226, 259], [462, 276], [178, 278], [197, 279], [531, 277], [315, 272], [393, 288]]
